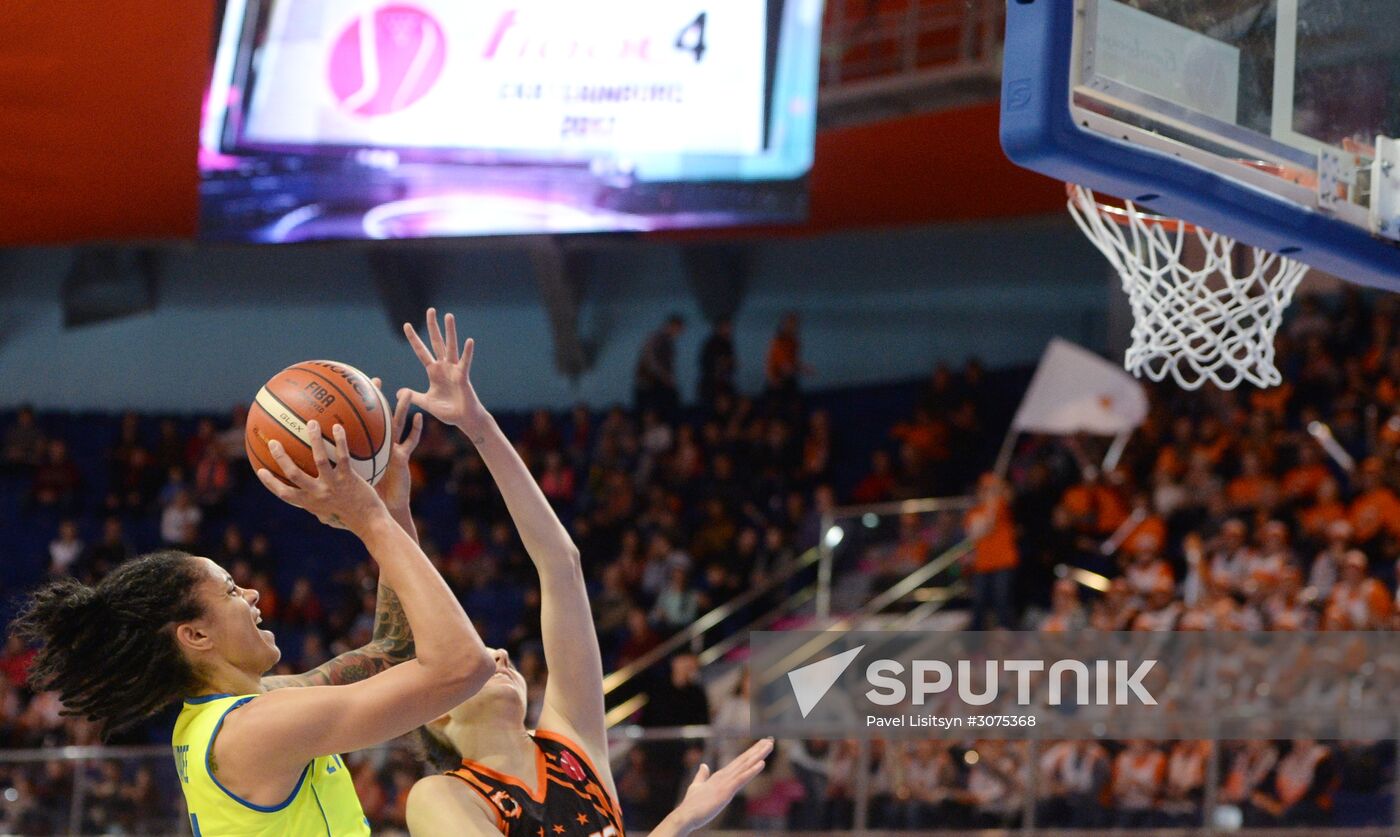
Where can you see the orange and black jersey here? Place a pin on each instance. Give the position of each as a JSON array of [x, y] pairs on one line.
[[572, 800]]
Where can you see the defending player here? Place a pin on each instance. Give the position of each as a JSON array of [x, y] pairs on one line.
[[556, 781], [172, 626]]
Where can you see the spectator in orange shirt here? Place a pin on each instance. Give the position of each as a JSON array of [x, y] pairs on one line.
[[1251, 487], [1376, 510], [994, 559], [1090, 512], [1302, 481], [926, 434], [1111, 501], [1076, 512], [1150, 532], [1318, 518]]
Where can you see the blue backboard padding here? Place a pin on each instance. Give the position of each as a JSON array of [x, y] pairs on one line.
[[1038, 132]]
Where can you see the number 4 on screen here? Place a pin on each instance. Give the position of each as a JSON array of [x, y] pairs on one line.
[[692, 37]]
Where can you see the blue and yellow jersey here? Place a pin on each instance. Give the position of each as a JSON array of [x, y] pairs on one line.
[[323, 803]]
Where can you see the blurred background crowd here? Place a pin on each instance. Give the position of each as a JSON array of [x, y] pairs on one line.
[[1224, 513]]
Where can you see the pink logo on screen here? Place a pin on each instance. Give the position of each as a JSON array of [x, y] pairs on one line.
[[385, 61]]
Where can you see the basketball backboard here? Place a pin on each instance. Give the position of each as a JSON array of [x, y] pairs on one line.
[[1265, 120]]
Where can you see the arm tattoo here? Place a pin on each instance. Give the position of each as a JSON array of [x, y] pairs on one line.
[[391, 628], [391, 645]]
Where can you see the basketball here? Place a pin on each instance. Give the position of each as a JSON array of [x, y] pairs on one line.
[[327, 392]]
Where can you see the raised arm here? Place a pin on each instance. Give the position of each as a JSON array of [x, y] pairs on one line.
[[573, 698], [266, 743], [392, 640]]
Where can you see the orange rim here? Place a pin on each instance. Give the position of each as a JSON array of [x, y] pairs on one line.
[[1115, 209], [1117, 212]]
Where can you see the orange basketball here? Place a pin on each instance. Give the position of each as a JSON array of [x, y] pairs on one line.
[[327, 392]]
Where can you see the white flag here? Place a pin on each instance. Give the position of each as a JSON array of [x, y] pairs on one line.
[[1076, 391]]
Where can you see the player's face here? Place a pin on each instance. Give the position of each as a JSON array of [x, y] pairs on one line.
[[505, 690], [231, 619]]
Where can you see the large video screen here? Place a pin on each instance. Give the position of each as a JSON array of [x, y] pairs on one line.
[[343, 119]]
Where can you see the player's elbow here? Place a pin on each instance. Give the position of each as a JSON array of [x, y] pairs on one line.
[[474, 669], [461, 673]]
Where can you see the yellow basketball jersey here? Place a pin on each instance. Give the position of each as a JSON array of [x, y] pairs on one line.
[[323, 803]]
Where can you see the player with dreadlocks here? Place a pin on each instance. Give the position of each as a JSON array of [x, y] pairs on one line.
[[255, 757]]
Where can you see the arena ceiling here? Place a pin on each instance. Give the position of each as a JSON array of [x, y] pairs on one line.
[[99, 110]]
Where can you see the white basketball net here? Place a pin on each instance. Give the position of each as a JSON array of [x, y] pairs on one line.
[[1215, 322]]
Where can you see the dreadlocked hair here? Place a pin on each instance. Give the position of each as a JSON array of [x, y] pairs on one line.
[[109, 650], [435, 751]]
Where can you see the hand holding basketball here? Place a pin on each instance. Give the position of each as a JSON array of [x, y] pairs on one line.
[[450, 398], [338, 496]]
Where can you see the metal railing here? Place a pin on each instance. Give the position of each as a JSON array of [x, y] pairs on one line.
[[615, 682], [835, 522], [880, 48], [170, 819], [816, 594]]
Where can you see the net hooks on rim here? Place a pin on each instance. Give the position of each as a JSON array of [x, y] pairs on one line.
[[1214, 322]]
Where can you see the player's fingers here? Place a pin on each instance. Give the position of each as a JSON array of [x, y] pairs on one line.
[[280, 489], [467, 352], [400, 418], [416, 342], [319, 455], [701, 775], [760, 748], [453, 352], [342, 447], [741, 777], [417, 399], [294, 474], [378, 383], [435, 334], [749, 774], [411, 444], [756, 752]]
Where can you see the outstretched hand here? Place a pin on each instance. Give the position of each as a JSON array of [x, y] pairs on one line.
[[450, 397], [708, 794]]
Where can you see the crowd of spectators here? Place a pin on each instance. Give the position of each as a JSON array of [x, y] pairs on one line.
[[678, 508], [1225, 513]]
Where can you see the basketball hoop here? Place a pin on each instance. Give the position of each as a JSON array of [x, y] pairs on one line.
[[1213, 322]]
